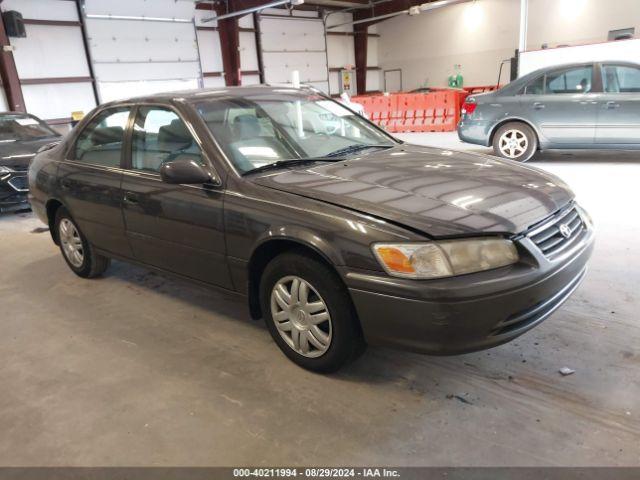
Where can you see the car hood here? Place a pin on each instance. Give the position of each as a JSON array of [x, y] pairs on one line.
[[20, 152], [438, 192]]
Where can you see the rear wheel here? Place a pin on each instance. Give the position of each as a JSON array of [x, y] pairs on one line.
[[309, 313], [515, 141], [75, 248]]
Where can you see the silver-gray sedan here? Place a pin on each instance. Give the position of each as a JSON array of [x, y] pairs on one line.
[[579, 106]]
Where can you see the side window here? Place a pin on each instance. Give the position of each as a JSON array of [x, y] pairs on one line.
[[100, 143], [160, 136], [620, 79], [573, 80], [535, 87]]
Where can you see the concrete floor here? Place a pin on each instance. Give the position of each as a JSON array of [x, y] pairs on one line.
[[135, 369]]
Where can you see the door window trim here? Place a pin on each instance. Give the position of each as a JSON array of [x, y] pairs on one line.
[[71, 150], [596, 80], [127, 164], [602, 66]]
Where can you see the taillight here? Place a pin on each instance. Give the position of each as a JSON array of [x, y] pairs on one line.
[[469, 108]]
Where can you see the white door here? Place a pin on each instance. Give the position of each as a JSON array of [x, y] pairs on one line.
[[294, 43], [140, 47]]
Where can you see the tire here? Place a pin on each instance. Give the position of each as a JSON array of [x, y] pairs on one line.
[[85, 264], [525, 142], [331, 343]]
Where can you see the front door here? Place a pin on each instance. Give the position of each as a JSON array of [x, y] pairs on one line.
[[566, 109], [178, 228], [619, 112], [90, 179]]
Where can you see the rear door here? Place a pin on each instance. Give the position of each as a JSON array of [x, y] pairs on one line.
[[178, 228], [619, 111], [90, 180], [563, 105]]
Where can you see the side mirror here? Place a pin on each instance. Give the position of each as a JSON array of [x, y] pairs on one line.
[[185, 170]]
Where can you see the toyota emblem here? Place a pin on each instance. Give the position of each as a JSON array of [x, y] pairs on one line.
[[565, 231]]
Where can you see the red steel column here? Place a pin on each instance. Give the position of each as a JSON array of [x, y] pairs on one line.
[[229, 32], [9, 74], [360, 40]]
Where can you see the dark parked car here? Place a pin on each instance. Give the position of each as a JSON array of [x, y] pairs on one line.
[[580, 106], [21, 135], [337, 239]]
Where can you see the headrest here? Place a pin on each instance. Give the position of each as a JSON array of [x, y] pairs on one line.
[[246, 126], [174, 136], [105, 135]]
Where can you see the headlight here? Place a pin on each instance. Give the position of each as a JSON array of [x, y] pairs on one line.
[[445, 258], [6, 169]]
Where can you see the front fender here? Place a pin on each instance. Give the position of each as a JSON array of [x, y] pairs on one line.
[[303, 236]]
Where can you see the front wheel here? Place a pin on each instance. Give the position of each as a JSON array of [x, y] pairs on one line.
[[75, 248], [515, 141], [309, 313]]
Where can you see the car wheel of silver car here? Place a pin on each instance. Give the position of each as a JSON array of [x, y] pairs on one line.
[[309, 312], [75, 248], [515, 141]]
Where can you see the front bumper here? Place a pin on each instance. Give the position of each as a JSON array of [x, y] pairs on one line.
[[471, 312]]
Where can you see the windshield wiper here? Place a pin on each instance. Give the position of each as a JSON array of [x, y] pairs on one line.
[[354, 148], [285, 163]]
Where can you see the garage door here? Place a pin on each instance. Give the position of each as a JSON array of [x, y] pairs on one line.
[[294, 44], [141, 47]]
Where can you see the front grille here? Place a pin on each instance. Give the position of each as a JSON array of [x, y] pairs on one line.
[[558, 233], [20, 168], [20, 184]]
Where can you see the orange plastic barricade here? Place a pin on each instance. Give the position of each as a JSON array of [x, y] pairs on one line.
[[436, 111]]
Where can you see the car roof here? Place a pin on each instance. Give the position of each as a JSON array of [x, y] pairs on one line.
[[213, 93]]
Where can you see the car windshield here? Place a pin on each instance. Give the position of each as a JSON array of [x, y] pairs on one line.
[[23, 127], [263, 129]]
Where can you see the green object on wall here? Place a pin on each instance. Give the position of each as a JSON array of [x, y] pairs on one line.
[[456, 80]]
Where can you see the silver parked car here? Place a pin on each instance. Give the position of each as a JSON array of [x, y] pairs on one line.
[[579, 106]]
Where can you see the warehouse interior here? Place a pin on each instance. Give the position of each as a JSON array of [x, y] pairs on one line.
[[140, 369]]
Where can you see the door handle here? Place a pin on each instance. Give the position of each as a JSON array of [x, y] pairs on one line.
[[611, 105], [538, 105], [131, 197], [65, 184]]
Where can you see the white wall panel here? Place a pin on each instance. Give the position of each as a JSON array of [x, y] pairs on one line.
[[246, 21], [334, 83], [374, 80], [294, 44], [210, 52], [38, 55], [199, 15], [178, 9], [625, 51], [139, 57], [340, 50], [248, 52], [43, 9], [213, 82], [250, 79], [281, 12], [282, 34], [118, 72], [372, 52], [279, 65], [121, 90], [58, 100], [141, 41]]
